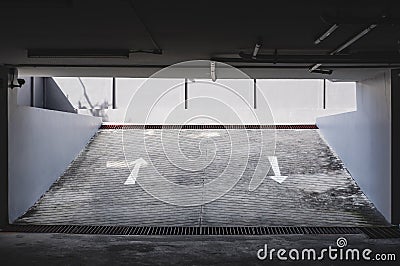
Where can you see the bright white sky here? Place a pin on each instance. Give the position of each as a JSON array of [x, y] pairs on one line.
[[290, 100]]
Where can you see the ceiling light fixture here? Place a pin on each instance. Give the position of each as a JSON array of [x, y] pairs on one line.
[[315, 67], [213, 74], [353, 40], [257, 48], [326, 33], [77, 53], [86, 53]]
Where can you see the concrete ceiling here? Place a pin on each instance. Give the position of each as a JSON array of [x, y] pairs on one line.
[[193, 30]]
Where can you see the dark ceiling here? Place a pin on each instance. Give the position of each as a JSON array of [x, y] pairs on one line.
[[188, 30]]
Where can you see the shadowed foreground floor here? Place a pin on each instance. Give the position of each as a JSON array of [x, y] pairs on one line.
[[61, 249]]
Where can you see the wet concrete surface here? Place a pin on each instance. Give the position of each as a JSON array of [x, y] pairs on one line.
[[62, 249], [318, 191]]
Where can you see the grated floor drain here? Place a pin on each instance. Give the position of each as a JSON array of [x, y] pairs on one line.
[[209, 127], [180, 230], [381, 232]]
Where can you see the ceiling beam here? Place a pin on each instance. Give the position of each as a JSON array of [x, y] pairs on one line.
[[377, 58]]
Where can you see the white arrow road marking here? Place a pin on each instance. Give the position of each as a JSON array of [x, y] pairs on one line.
[[278, 179], [277, 172], [135, 171], [259, 177], [131, 180]]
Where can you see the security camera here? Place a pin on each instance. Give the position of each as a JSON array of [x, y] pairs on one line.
[[21, 82], [19, 85]]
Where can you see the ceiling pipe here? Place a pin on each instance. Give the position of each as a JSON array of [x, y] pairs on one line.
[[342, 20], [149, 51], [326, 34], [376, 58]]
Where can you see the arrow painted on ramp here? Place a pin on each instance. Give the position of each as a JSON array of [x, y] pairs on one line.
[[278, 179], [135, 171], [277, 172], [258, 178], [131, 180]]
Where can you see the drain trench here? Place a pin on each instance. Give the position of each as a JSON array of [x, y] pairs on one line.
[[371, 232]]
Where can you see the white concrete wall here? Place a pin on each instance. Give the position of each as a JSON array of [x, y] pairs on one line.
[[42, 143], [362, 140], [24, 93]]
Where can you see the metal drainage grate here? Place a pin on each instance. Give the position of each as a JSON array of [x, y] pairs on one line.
[[381, 232], [209, 127], [179, 230]]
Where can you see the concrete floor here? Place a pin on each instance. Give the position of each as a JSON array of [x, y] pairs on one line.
[[318, 191], [62, 249]]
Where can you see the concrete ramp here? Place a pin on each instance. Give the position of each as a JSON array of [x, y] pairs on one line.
[[307, 184]]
